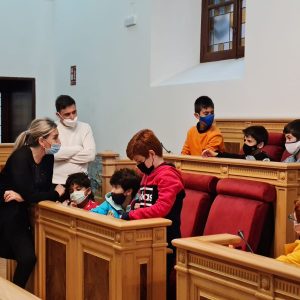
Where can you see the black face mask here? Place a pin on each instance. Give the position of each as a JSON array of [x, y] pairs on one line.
[[118, 198], [248, 150], [143, 168]]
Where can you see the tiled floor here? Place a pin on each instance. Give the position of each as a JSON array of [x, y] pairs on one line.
[[2, 267]]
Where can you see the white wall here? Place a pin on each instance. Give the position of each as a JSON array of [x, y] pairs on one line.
[[26, 44], [148, 76]]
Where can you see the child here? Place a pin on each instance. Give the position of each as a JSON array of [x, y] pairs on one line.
[[255, 137], [292, 251], [161, 192], [125, 184], [292, 141], [78, 185], [205, 135]]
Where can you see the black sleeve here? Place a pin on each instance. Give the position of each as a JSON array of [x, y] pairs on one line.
[[261, 156], [22, 177], [230, 155]]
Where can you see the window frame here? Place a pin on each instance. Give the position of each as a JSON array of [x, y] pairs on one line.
[[237, 50]]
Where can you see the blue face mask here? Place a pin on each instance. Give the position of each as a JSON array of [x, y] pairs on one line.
[[54, 149], [207, 120]]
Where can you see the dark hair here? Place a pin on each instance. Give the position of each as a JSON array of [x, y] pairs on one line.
[[81, 179], [203, 102], [63, 101], [259, 133], [293, 128], [127, 179], [142, 142]]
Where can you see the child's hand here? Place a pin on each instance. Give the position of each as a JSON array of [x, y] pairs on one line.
[[64, 203], [73, 204], [209, 153], [136, 205]]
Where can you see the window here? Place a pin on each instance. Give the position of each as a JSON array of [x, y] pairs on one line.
[[222, 29]]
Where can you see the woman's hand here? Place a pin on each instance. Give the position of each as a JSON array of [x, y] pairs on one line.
[[11, 195], [60, 189]]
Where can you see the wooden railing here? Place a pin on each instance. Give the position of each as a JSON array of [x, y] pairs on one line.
[[83, 255], [285, 177], [208, 270]]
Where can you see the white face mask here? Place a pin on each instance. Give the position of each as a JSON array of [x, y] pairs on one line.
[[293, 148], [78, 196], [69, 122]]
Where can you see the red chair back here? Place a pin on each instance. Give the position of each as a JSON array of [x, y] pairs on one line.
[[243, 205], [200, 191], [275, 146]]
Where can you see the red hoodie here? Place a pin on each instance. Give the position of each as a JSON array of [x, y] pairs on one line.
[[160, 196]]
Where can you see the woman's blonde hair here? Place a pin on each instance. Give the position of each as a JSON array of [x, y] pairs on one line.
[[38, 128]]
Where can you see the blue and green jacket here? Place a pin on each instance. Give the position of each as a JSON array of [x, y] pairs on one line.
[[109, 207]]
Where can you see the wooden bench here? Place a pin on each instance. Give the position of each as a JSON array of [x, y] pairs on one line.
[[208, 270]]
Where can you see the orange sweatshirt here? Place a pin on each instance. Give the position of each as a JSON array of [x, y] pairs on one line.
[[196, 142]]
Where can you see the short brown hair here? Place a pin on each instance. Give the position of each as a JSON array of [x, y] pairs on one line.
[[142, 142]]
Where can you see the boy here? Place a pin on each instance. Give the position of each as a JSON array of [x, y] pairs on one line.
[[78, 185], [292, 250], [255, 137], [125, 184], [161, 192], [205, 135], [292, 141]]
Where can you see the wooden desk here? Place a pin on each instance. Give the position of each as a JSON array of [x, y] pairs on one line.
[[207, 270], [83, 255]]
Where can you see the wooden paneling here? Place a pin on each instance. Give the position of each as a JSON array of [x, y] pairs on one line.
[[96, 277], [208, 270], [143, 281], [55, 270]]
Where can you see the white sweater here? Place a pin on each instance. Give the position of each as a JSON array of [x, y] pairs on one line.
[[77, 150]]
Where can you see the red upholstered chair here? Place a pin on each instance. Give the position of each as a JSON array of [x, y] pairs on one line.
[[200, 191], [244, 205], [275, 146]]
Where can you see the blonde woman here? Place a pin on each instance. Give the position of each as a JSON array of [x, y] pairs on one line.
[[25, 179]]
